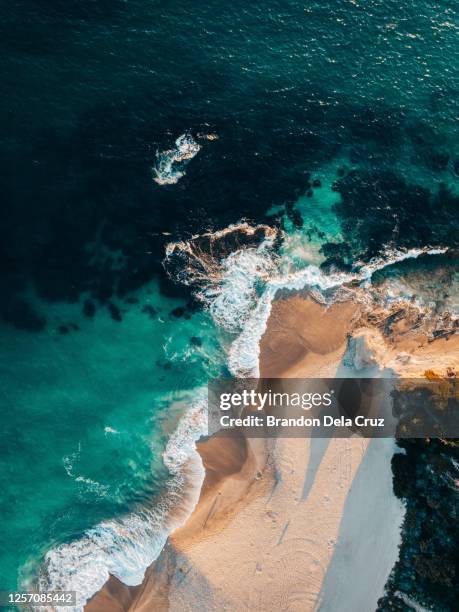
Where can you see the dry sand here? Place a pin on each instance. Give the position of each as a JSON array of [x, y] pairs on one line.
[[293, 524]]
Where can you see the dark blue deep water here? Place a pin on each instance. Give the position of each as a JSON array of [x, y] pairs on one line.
[[362, 91]]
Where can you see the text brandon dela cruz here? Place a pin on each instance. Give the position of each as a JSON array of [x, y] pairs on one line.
[[301, 421]]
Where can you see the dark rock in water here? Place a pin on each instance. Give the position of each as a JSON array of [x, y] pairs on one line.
[[63, 329], [439, 160], [193, 305], [164, 364], [309, 193], [131, 300], [89, 309], [317, 183], [20, 313], [195, 341], [333, 264], [378, 209], [456, 166], [425, 478], [341, 171], [150, 310], [294, 216], [202, 254], [224, 243], [105, 288], [338, 256], [49, 283], [169, 288], [115, 312], [178, 312], [297, 219], [139, 271]]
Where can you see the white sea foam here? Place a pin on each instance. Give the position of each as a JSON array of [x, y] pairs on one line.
[[125, 547], [170, 163], [243, 274]]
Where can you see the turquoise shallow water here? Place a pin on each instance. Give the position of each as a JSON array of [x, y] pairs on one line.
[[86, 417]]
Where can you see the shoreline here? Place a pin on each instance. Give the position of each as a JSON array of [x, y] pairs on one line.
[[276, 519]]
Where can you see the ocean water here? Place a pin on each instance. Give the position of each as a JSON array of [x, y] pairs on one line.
[[87, 416], [130, 127]]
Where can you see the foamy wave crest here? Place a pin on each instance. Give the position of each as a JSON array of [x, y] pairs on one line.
[[244, 352], [125, 547], [170, 163], [391, 257], [243, 275]]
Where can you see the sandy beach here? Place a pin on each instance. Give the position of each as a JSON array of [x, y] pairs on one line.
[[295, 524]]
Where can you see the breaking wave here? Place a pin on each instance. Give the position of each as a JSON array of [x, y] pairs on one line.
[[126, 546], [170, 164]]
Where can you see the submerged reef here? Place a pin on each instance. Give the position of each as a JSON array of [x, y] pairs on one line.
[[378, 209], [96, 223]]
